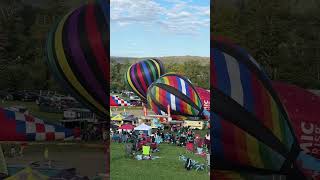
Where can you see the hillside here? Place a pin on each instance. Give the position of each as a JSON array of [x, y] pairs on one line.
[[167, 59]]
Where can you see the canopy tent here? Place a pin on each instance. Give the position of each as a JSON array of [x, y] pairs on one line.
[[145, 128], [28, 174], [116, 101], [127, 127], [3, 164], [118, 117]]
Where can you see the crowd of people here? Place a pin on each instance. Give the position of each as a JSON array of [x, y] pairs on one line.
[[184, 137], [93, 133]]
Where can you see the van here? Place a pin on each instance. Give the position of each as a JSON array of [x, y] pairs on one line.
[[194, 124]]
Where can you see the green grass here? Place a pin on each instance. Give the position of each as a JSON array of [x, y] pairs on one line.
[[202, 132], [167, 167], [34, 110]]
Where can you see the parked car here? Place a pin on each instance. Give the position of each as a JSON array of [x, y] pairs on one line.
[[5, 95], [20, 109], [17, 95], [135, 103], [31, 95]]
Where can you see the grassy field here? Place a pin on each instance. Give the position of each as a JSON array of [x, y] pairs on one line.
[[34, 110], [167, 167]]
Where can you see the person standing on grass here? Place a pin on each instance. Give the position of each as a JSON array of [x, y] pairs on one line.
[[13, 150], [22, 147], [207, 141]]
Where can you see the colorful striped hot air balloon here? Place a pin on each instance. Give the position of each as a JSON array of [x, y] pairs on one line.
[[251, 129], [177, 92], [78, 54], [142, 74]]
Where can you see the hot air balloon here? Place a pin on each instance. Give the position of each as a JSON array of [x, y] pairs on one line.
[[204, 96], [251, 129], [142, 74], [78, 54], [16, 126], [116, 101], [177, 92], [302, 107]]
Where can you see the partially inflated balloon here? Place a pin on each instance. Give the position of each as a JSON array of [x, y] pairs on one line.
[[178, 92], [251, 129], [205, 97], [302, 107], [142, 74], [78, 54]]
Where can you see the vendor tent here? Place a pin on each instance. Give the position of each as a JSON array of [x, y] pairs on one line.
[[28, 174], [127, 127], [145, 128], [118, 117]]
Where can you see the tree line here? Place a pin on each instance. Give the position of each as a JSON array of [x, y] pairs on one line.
[[282, 35], [23, 32], [197, 70]]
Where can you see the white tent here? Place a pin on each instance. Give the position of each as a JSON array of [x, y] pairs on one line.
[[145, 128]]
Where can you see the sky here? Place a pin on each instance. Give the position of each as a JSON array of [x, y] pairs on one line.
[[156, 28]]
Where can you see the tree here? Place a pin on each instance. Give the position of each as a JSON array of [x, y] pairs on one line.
[[281, 35]]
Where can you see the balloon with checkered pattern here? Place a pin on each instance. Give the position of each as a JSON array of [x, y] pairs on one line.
[[15, 126]]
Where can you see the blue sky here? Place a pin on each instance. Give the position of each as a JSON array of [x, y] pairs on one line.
[[144, 28]]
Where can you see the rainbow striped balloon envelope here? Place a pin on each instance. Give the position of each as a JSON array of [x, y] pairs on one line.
[[178, 92], [78, 54], [251, 129], [142, 74]]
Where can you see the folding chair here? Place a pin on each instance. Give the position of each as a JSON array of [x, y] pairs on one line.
[[146, 151]]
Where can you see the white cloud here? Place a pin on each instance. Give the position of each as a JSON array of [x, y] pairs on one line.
[[181, 17]]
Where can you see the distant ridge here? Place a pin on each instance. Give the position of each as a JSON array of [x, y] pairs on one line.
[[166, 59]]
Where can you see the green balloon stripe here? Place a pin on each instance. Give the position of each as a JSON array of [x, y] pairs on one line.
[[154, 73]]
